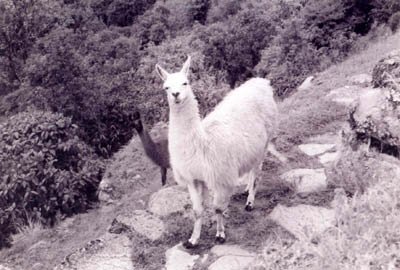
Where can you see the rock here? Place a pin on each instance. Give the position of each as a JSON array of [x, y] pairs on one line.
[[107, 191], [144, 223], [169, 200], [387, 72], [328, 157], [3, 267], [304, 221], [306, 84], [306, 180], [313, 149], [111, 252], [376, 116], [234, 250], [361, 80], [231, 262], [178, 259], [345, 95]]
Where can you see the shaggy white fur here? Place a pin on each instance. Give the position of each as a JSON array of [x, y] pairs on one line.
[[228, 144]]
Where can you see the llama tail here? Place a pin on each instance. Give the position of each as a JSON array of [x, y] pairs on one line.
[[271, 148]]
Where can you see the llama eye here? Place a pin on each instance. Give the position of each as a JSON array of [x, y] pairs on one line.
[[185, 83], [166, 88]]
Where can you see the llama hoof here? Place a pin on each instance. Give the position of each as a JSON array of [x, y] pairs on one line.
[[220, 239], [188, 245], [248, 207]]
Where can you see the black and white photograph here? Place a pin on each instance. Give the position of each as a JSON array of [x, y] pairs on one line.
[[199, 134]]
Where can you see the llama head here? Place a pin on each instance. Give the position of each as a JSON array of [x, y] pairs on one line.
[[176, 84]]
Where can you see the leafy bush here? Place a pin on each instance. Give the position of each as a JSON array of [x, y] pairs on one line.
[[153, 26], [198, 10], [120, 12], [222, 10], [22, 22], [91, 84], [384, 9], [236, 48], [46, 170]]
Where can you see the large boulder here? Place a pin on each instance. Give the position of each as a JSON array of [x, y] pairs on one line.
[[387, 72], [375, 119], [304, 221]]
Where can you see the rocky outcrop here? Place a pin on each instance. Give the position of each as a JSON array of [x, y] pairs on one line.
[[375, 117], [375, 120], [386, 73]]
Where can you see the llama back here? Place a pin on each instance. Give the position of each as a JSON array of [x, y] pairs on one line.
[[243, 123], [250, 102]]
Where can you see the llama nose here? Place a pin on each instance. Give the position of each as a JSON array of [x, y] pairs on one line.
[[175, 94]]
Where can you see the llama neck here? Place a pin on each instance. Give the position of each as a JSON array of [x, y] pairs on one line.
[[149, 146], [185, 120]]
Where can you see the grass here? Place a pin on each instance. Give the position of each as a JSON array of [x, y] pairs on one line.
[[305, 114], [366, 235]]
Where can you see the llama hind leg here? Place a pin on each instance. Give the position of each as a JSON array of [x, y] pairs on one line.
[[251, 187], [196, 192], [220, 203]]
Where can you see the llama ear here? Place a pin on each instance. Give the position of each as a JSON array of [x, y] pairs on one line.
[[161, 72], [186, 66]]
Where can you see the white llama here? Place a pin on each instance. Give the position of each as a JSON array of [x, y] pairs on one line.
[[215, 152]]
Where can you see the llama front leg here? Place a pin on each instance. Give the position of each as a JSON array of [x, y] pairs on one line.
[[220, 203], [163, 175], [196, 192]]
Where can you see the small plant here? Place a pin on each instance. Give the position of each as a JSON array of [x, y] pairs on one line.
[[46, 170]]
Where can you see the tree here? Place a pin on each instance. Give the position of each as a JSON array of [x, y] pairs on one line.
[[22, 22]]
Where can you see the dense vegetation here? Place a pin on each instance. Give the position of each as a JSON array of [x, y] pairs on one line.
[[92, 62], [46, 170]]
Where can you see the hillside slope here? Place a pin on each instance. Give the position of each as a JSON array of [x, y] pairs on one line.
[[125, 232]]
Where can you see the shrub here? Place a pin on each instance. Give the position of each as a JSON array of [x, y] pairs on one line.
[[120, 12], [198, 10], [394, 22], [46, 170], [153, 26], [236, 48], [90, 83]]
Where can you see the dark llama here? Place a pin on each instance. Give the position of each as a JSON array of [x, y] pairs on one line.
[[156, 151]]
